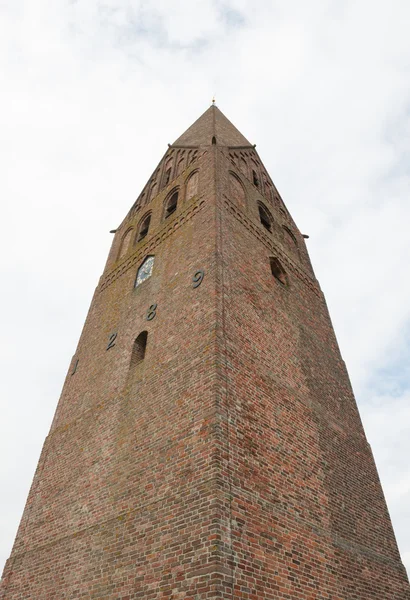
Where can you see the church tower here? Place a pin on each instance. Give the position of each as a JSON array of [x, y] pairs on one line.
[[207, 443]]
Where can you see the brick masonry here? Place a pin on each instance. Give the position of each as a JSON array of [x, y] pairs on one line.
[[231, 462]]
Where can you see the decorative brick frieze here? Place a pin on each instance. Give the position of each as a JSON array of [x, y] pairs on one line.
[[149, 246]]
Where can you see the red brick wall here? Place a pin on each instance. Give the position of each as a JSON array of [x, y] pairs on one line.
[[232, 462], [305, 515]]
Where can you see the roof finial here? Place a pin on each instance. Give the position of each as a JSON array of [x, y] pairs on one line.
[[213, 100]]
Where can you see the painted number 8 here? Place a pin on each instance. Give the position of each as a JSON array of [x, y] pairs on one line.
[[198, 278], [151, 312]]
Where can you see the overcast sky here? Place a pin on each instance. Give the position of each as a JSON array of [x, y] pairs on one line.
[[91, 93]]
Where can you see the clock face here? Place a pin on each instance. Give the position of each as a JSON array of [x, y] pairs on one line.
[[145, 270]]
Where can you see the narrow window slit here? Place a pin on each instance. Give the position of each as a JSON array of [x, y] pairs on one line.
[[265, 218]]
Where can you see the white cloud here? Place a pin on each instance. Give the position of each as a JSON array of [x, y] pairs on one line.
[[91, 94]]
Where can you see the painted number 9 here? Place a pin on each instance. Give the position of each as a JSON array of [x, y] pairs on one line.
[[198, 278]]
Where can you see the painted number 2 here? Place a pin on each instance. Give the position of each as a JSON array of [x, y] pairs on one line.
[[111, 340]]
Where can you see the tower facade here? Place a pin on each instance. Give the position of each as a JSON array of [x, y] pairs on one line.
[[207, 443]]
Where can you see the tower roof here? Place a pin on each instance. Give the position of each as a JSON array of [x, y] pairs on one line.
[[212, 123]]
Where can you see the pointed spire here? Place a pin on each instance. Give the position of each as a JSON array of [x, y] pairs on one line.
[[212, 124]]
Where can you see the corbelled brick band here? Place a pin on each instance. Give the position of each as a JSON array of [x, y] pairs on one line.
[[207, 443]]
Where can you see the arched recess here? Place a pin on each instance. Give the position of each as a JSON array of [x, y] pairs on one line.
[[137, 205], [192, 185], [167, 175], [125, 242], [143, 227], [268, 189], [265, 217], [171, 203], [180, 165], [236, 190], [169, 162], [290, 239], [243, 165], [138, 350], [269, 192], [280, 205], [153, 191], [143, 198], [136, 365]]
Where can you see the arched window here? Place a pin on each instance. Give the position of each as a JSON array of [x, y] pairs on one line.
[[236, 190], [192, 185], [278, 271], [171, 204], [138, 350], [213, 140], [265, 217], [144, 227], [125, 243]]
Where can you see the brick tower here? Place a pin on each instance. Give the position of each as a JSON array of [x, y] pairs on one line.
[[207, 443]]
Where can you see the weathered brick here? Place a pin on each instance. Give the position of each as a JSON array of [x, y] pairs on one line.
[[229, 461]]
